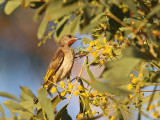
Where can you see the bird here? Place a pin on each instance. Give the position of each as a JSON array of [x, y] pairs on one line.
[[62, 62]]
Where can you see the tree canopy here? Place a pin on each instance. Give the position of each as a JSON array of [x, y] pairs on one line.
[[125, 41]]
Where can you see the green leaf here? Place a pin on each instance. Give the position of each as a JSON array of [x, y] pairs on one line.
[[91, 62], [11, 5], [2, 114], [64, 31], [125, 112], [155, 10], [42, 28], [106, 88], [55, 12], [29, 104], [87, 29], [131, 6], [36, 4], [75, 24], [55, 101], [86, 40], [39, 13], [45, 103], [24, 115], [119, 70], [90, 74], [60, 26], [13, 105], [28, 92], [85, 106], [63, 114], [136, 53], [2, 1], [10, 96]]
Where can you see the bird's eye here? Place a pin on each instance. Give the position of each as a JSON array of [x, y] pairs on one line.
[[69, 36]]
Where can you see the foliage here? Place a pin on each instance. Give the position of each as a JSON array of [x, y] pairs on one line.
[[125, 40]]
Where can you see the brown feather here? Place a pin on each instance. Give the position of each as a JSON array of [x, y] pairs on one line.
[[54, 65]]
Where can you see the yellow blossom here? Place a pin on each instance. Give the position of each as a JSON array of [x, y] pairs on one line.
[[98, 47], [102, 61], [55, 21], [79, 87], [89, 49], [45, 86], [63, 93], [96, 42], [109, 51], [53, 90], [154, 32], [85, 94], [91, 44], [151, 107], [104, 40], [100, 94], [96, 91], [76, 93], [131, 75], [94, 54], [114, 106], [94, 112], [154, 114], [116, 37], [121, 38], [132, 23], [130, 96], [104, 101], [87, 112], [106, 93], [92, 95], [134, 80], [54, 76], [62, 84], [130, 86], [140, 75], [104, 52], [141, 84], [111, 118], [70, 86]]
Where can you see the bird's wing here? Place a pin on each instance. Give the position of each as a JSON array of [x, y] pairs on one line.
[[54, 65]]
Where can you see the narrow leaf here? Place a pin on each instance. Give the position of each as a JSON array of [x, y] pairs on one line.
[[28, 92], [155, 10], [90, 74], [45, 103], [75, 24], [10, 96], [2, 1], [63, 114], [42, 28], [13, 105], [11, 5], [120, 70]]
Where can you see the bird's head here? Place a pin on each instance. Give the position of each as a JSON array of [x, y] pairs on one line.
[[68, 40]]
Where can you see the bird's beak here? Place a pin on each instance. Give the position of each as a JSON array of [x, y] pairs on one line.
[[73, 41]]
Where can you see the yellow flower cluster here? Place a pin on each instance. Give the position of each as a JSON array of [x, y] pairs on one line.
[[62, 84], [136, 81]]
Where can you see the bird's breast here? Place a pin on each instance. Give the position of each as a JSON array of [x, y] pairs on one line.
[[67, 65]]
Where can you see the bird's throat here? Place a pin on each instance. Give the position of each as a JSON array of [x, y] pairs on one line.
[[71, 42]]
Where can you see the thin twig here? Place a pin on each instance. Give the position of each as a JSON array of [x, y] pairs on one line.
[[77, 80]]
